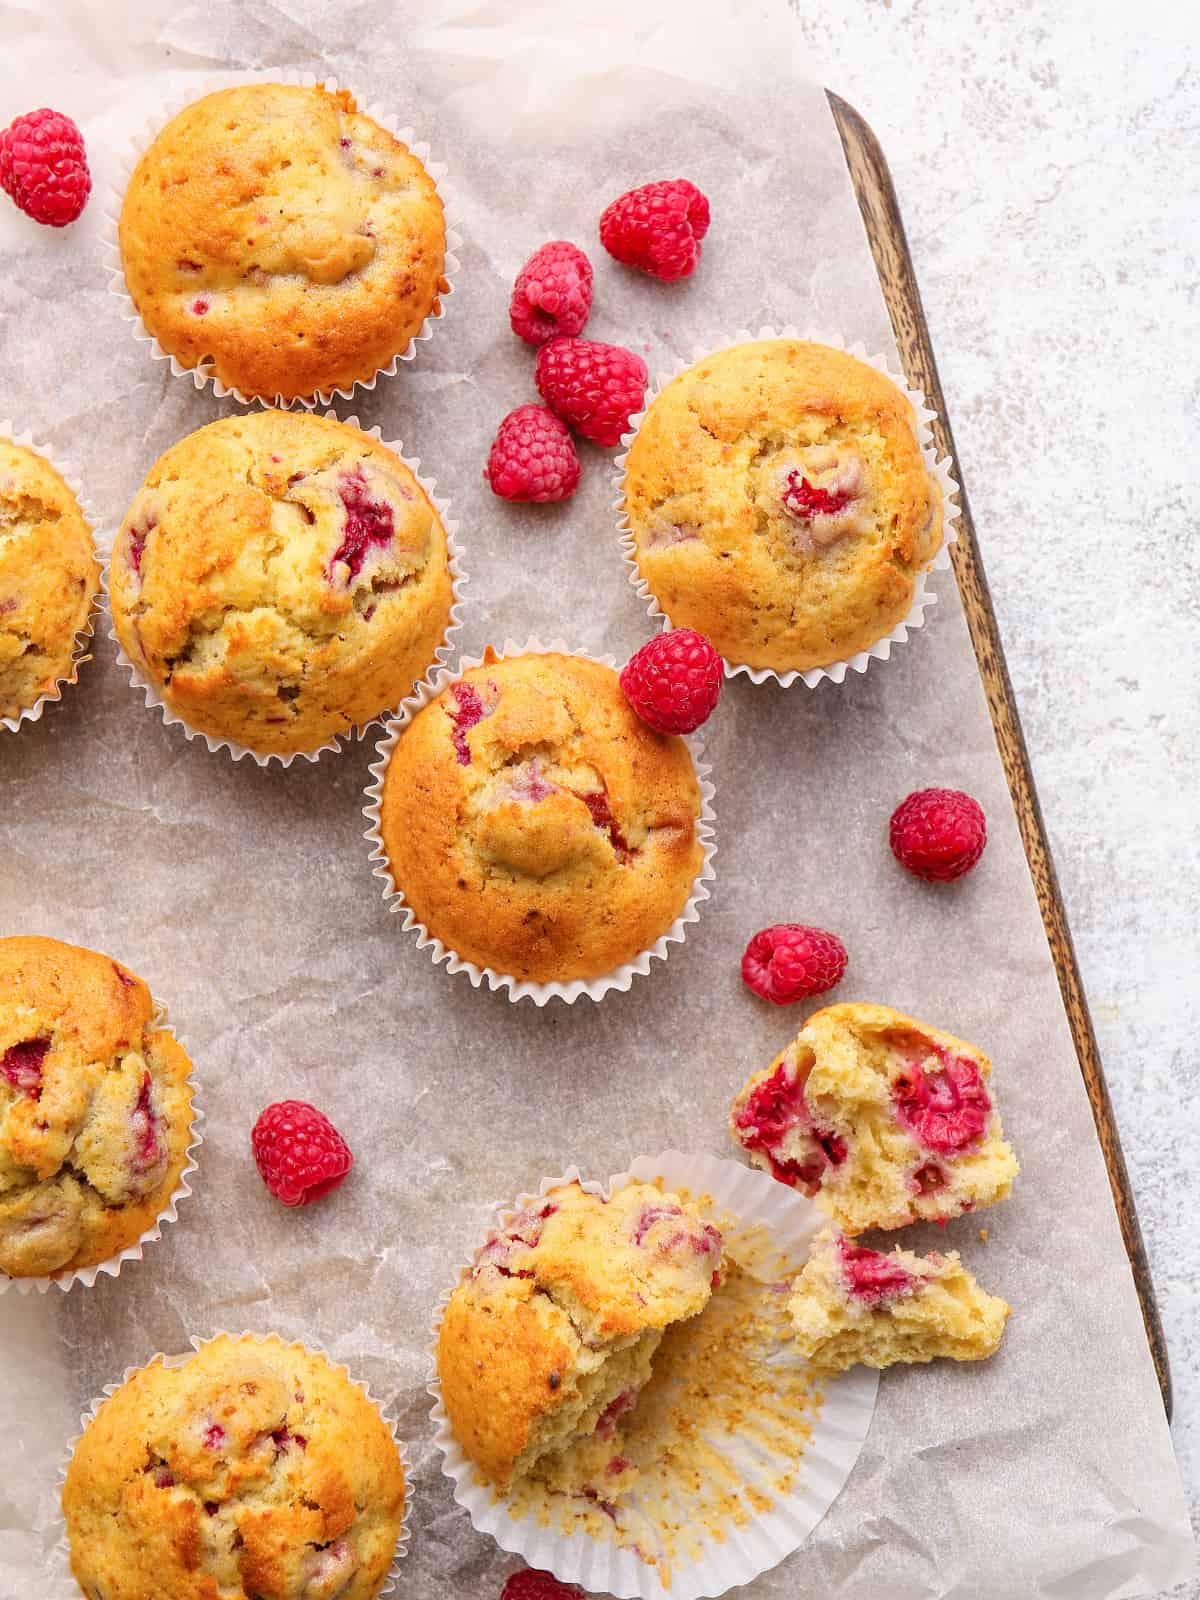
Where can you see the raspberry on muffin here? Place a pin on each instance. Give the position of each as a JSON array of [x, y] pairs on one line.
[[535, 824], [546, 1344], [779, 502], [853, 1306], [281, 578], [278, 238], [880, 1118], [49, 576], [252, 1468], [95, 1108]]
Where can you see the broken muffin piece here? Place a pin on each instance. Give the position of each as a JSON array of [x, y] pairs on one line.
[[880, 1118], [853, 1306], [546, 1344]]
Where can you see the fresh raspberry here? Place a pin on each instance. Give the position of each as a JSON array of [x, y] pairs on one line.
[[938, 834], [791, 962], [43, 167], [530, 1585], [533, 457], [595, 387], [674, 682], [300, 1154], [552, 294], [657, 228]]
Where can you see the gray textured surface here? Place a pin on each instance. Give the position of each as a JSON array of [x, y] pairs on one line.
[[1040, 155]]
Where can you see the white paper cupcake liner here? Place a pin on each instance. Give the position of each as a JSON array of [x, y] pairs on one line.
[[63, 1546], [204, 377], [923, 598], [458, 580], [111, 1267], [745, 1203], [520, 988], [83, 637]]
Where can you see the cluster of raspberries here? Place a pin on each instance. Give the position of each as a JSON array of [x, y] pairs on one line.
[[592, 387]]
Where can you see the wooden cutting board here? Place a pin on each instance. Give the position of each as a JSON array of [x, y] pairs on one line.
[[885, 230]]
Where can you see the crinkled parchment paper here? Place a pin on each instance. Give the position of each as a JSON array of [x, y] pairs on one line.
[[245, 898]]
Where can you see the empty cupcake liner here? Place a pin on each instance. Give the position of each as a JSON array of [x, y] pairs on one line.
[[111, 1267], [204, 377], [458, 579], [434, 684], [83, 637], [63, 1546], [774, 1227], [923, 598]]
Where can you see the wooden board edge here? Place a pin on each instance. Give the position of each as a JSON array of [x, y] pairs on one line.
[[889, 245]]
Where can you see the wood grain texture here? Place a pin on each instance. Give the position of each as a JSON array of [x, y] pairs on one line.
[[885, 230]]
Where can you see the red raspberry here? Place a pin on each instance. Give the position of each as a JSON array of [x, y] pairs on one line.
[[674, 682], [43, 167], [532, 457], [657, 228], [791, 962], [530, 1585], [595, 387], [552, 294], [938, 834], [300, 1154]]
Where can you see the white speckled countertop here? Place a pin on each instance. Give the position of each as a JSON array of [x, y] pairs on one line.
[[1040, 155]]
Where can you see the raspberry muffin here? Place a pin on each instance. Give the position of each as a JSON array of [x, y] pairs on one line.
[[536, 825], [880, 1118], [95, 1109], [280, 578], [49, 576], [853, 1306], [278, 239], [780, 504], [548, 1340], [251, 1469]]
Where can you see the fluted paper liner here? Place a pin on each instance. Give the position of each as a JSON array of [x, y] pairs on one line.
[[112, 1265], [458, 580], [83, 637], [923, 597], [433, 685], [63, 1548], [204, 377], [774, 1227]]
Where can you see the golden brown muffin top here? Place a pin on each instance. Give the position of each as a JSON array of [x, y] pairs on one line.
[[536, 825], [276, 235], [281, 578], [95, 1108], [780, 503], [251, 1469], [564, 1284], [49, 576]]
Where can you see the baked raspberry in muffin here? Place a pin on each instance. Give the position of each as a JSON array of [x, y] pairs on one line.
[[548, 1340], [780, 504], [536, 825], [281, 578], [277, 238], [853, 1306], [95, 1108], [882, 1119], [252, 1468], [49, 576]]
